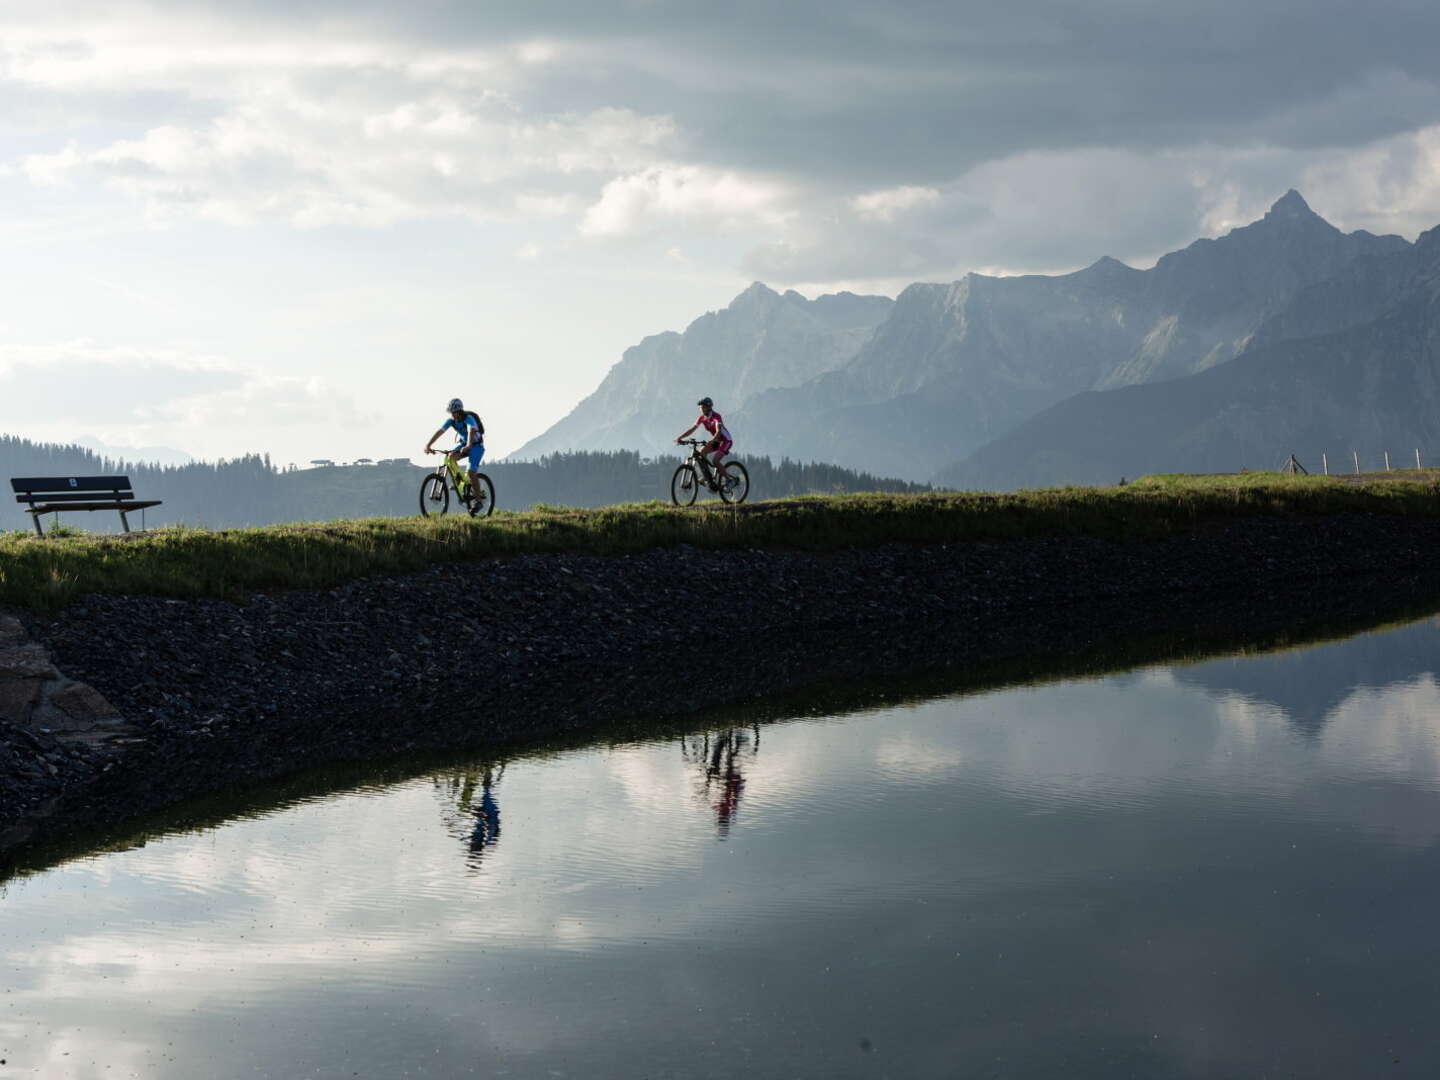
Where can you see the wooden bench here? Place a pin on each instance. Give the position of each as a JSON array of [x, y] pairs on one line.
[[48, 494]]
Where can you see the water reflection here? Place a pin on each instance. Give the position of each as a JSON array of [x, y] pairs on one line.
[[719, 756], [1156, 873], [1309, 684], [472, 807]]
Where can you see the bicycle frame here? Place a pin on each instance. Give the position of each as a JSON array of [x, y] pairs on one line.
[[459, 480], [707, 470]]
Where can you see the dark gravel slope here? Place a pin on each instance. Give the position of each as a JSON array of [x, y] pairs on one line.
[[217, 694]]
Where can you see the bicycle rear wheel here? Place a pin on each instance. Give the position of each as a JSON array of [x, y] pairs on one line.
[[735, 483], [434, 496], [684, 485], [484, 504]]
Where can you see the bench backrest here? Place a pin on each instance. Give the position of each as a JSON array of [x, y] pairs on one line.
[[53, 489]]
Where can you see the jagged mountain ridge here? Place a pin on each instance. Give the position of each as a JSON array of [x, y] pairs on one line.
[[956, 366], [1350, 365], [902, 388], [762, 340]]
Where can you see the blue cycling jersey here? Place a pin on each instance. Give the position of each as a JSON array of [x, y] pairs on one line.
[[462, 429]]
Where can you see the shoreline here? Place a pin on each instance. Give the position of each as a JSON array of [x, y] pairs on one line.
[[213, 695]]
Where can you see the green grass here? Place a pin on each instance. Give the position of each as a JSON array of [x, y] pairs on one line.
[[47, 574]]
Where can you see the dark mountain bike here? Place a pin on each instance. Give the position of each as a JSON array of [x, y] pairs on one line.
[[435, 491], [732, 483]]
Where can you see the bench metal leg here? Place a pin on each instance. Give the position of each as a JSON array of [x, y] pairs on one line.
[[124, 521], [38, 531]]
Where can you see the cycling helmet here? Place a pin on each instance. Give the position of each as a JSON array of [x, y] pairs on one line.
[[456, 405], [704, 401]]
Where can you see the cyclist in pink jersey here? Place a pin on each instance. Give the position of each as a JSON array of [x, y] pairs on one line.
[[720, 441]]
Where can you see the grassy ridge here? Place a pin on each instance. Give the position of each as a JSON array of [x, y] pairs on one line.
[[46, 574]]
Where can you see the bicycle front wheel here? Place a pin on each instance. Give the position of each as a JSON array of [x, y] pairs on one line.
[[482, 503], [684, 485], [434, 496], [734, 483]]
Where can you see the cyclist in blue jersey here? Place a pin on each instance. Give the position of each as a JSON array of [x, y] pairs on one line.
[[471, 433]]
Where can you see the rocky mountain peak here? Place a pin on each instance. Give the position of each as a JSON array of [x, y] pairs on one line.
[[1290, 207], [758, 293], [1108, 268]]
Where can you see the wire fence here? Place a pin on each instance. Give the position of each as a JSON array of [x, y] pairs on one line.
[[1353, 463]]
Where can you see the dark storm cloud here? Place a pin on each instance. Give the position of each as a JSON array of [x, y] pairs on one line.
[[927, 90]]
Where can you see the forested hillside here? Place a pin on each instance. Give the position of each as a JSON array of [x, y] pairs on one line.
[[252, 491]]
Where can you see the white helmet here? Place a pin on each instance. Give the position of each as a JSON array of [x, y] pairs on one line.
[[456, 405]]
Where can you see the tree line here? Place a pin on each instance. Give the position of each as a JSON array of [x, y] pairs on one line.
[[251, 490]]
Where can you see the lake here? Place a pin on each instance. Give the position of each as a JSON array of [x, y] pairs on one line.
[[1222, 868]]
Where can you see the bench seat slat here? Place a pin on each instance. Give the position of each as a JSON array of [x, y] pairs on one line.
[[74, 496], [126, 506]]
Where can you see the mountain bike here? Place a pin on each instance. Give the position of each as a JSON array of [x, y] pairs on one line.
[[435, 490], [732, 484]]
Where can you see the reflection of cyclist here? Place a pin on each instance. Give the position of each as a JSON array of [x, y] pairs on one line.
[[471, 433], [486, 831], [720, 441], [732, 783], [487, 822], [720, 755]]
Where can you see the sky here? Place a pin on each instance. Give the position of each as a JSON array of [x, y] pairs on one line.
[[300, 228]]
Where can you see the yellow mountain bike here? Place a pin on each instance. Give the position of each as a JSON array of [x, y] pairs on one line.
[[436, 487]]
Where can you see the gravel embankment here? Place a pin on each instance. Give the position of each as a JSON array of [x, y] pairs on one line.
[[217, 694]]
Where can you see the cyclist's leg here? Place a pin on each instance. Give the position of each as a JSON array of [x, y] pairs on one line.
[[713, 447], [720, 451], [476, 453]]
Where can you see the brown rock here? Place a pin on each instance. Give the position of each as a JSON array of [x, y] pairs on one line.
[[83, 705], [17, 699], [26, 662]]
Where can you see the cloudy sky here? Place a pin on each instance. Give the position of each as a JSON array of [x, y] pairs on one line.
[[300, 227]]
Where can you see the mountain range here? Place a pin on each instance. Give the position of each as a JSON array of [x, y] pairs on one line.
[[1283, 335]]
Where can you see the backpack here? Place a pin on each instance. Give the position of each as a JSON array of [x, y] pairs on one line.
[[479, 424]]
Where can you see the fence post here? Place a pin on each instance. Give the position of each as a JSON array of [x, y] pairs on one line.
[[1387, 460], [1325, 463], [1356, 455]]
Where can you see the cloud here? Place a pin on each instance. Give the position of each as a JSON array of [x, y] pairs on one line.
[[357, 161], [885, 205], [632, 203], [839, 141], [1054, 211]]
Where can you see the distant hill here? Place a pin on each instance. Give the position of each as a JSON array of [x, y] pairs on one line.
[[762, 340], [148, 455], [1350, 365], [252, 491]]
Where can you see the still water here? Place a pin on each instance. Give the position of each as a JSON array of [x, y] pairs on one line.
[[1227, 868]]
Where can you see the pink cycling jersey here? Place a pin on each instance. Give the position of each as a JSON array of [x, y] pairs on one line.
[[715, 425]]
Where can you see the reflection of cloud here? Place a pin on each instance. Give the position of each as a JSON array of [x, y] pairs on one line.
[[345, 898], [909, 757], [1394, 731]]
